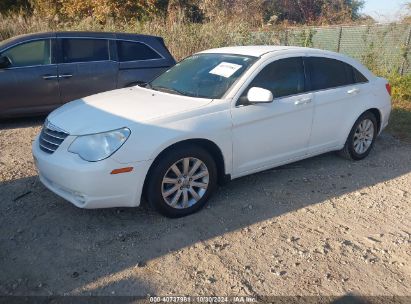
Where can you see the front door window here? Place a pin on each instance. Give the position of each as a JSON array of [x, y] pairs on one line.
[[31, 53]]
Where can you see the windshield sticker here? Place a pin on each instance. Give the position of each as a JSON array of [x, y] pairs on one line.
[[225, 69]]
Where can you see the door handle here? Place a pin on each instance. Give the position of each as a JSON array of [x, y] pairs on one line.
[[49, 77], [302, 101], [64, 76], [353, 91]]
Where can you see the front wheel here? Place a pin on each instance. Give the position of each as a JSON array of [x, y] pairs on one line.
[[361, 138], [181, 181]]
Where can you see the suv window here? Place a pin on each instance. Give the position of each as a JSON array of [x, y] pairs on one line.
[[30, 53], [84, 50], [133, 51], [283, 77]]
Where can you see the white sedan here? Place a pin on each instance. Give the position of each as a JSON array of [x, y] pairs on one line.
[[215, 116]]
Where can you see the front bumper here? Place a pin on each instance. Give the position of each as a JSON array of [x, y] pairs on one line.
[[89, 184]]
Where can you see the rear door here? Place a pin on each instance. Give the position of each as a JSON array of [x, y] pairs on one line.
[[339, 89], [85, 67], [30, 84]]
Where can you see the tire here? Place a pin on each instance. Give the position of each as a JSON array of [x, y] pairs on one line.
[[170, 193], [352, 149]]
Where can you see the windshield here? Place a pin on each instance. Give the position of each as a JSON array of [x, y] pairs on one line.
[[203, 75]]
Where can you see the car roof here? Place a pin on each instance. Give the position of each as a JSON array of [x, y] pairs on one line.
[[108, 35], [260, 50], [251, 50], [120, 35], [20, 38]]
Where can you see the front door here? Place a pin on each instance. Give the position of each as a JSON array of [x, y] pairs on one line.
[[30, 84], [265, 135]]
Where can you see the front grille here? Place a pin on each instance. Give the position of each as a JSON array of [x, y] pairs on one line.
[[51, 138]]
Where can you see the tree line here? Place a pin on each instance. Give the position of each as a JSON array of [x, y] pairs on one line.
[[255, 12]]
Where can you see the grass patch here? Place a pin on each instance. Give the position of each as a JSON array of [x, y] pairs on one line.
[[400, 121]]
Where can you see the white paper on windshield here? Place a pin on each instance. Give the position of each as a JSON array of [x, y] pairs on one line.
[[225, 69]]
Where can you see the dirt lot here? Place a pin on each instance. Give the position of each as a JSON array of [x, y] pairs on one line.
[[323, 226]]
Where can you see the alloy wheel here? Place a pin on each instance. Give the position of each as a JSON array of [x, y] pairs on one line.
[[363, 136], [185, 183]]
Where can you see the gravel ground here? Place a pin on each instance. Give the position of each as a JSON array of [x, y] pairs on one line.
[[323, 226]]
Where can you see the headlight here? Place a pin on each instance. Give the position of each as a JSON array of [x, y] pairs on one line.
[[95, 147]]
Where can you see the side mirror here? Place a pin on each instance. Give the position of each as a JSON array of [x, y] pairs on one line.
[[4, 62], [259, 95]]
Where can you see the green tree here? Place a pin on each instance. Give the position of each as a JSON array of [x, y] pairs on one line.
[[101, 10], [407, 17], [255, 12], [313, 11]]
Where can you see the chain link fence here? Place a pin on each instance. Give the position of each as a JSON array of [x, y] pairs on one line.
[[380, 47]]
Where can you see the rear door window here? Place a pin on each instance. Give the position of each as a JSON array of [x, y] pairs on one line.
[[31, 53], [135, 51], [327, 73], [282, 77], [84, 50]]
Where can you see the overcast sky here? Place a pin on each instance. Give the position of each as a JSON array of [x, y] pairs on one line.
[[385, 10]]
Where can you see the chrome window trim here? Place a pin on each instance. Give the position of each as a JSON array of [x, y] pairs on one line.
[[307, 92], [276, 99], [141, 60], [32, 66], [85, 37], [55, 64], [116, 39], [84, 62], [25, 41], [339, 87]]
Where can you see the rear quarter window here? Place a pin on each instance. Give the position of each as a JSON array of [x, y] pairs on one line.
[[135, 51], [358, 76]]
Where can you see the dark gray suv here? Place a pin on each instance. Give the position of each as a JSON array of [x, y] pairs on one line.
[[40, 72]]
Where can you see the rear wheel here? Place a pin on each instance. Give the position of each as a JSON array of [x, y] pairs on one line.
[[182, 181], [361, 138]]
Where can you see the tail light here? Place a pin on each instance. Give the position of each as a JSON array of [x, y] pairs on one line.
[[388, 87]]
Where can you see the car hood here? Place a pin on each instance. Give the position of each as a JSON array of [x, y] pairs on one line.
[[120, 108]]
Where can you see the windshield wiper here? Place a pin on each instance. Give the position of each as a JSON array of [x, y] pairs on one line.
[[167, 90]]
